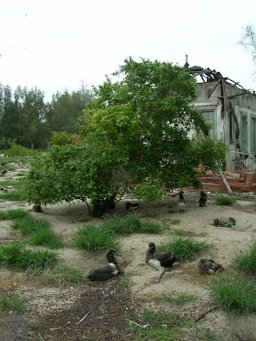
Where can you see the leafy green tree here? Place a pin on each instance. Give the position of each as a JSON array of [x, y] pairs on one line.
[[134, 137], [65, 109]]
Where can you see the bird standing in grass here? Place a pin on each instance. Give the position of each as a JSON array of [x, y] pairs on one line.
[[203, 199], [108, 271], [161, 261]]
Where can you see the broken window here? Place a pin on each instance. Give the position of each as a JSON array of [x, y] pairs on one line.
[[244, 137], [253, 130], [210, 120]]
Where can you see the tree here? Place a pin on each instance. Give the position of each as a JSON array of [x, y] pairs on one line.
[[134, 137], [66, 108], [248, 41]]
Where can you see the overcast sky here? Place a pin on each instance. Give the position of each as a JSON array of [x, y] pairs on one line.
[[59, 44]]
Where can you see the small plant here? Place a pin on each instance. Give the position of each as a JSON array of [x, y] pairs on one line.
[[17, 304], [125, 280], [175, 221], [95, 238], [235, 295], [15, 255], [185, 249], [226, 200], [176, 300], [246, 262]]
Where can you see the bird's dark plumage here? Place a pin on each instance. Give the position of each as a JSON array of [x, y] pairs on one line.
[[160, 261], [110, 270], [4, 171], [203, 199], [208, 266]]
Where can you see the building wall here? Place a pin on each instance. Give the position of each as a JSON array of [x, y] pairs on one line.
[[216, 100]]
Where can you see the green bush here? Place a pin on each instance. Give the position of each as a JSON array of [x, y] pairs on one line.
[[237, 295], [17, 150]]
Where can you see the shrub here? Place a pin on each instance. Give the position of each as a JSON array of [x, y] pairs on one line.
[[235, 295], [226, 200], [17, 150], [185, 249]]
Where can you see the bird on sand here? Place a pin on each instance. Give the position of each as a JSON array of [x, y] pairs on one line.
[[161, 261], [108, 271], [208, 266]]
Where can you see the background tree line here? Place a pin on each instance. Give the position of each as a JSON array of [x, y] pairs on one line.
[[28, 120]]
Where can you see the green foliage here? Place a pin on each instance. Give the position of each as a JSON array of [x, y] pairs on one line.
[[238, 295], [226, 200], [179, 300], [95, 238], [16, 256], [17, 150], [185, 249], [60, 138], [246, 262], [17, 304]]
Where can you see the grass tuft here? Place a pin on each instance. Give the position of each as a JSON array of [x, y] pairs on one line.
[[61, 275], [16, 256], [13, 214], [179, 300], [17, 304], [246, 262], [185, 249], [95, 238], [17, 194], [237, 295]]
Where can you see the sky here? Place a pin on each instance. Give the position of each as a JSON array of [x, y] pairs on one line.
[[58, 45]]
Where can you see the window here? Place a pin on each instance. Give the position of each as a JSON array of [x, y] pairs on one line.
[[253, 130], [210, 120]]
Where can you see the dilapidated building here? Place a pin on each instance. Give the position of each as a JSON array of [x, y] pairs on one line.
[[231, 112]]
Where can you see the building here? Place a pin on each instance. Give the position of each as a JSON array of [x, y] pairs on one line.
[[231, 112]]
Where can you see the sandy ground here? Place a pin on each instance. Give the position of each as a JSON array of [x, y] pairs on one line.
[[225, 242]]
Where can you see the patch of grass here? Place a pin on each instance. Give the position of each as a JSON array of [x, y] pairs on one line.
[[183, 233], [185, 249], [16, 256], [238, 295], [47, 238], [176, 300], [156, 334], [13, 214], [38, 230], [61, 275], [131, 224], [27, 225], [17, 194], [224, 199], [17, 304], [95, 238], [125, 280], [246, 262]]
